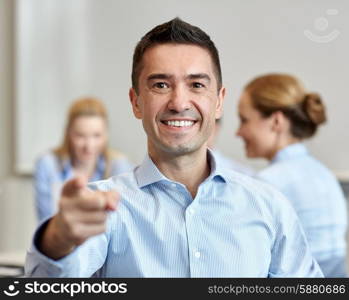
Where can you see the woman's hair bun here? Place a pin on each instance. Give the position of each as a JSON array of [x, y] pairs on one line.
[[314, 108]]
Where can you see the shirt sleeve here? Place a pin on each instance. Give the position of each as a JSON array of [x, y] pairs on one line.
[[84, 261], [43, 189]]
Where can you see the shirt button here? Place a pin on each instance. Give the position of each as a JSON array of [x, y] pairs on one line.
[[191, 211], [174, 185], [197, 254]]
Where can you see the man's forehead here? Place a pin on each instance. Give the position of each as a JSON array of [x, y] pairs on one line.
[[174, 56]]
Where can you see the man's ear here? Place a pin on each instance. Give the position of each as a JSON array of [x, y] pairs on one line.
[[219, 106], [134, 99]]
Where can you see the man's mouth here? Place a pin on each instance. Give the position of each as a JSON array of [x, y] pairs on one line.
[[179, 123]]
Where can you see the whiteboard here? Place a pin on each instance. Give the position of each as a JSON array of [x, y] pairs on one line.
[[67, 49]]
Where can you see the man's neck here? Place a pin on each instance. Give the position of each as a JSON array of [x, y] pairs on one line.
[[189, 169]]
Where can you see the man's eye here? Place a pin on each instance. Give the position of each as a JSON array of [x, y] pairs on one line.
[[160, 85], [197, 85]]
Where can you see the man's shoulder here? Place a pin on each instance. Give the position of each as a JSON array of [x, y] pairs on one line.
[[247, 182], [257, 190]]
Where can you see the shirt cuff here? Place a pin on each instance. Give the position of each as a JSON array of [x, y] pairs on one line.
[[38, 264]]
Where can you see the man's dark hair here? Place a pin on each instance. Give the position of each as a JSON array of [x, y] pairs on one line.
[[175, 31]]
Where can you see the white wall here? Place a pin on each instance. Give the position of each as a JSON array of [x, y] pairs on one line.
[[17, 219], [6, 86]]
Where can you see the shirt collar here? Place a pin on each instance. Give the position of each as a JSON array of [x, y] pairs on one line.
[[148, 173], [290, 151]]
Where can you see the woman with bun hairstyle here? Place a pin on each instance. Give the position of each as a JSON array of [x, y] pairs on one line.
[[276, 115], [84, 151]]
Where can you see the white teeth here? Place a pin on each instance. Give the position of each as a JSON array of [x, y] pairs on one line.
[[179, 123]]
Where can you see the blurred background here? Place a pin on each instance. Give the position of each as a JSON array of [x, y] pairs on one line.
[[54, 51]]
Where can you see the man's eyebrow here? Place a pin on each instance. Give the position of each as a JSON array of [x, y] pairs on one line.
[[169, 76], [199, 76], [159, 76]]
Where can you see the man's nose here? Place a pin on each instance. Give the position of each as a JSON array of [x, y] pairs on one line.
[[180, 99]]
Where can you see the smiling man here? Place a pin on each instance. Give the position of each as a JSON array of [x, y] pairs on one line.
[[179, 214], [178, 97]]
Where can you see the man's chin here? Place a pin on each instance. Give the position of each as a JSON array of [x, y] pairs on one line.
[[179, 150]]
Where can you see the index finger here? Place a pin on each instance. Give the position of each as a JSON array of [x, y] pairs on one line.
[[74, 186], [98, 200]]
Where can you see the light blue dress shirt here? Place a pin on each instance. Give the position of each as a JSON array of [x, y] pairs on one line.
[[236, 226], [50, 174], [319, 202]]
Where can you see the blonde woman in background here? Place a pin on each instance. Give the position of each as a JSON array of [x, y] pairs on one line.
[[84, 151], [276, 115]]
